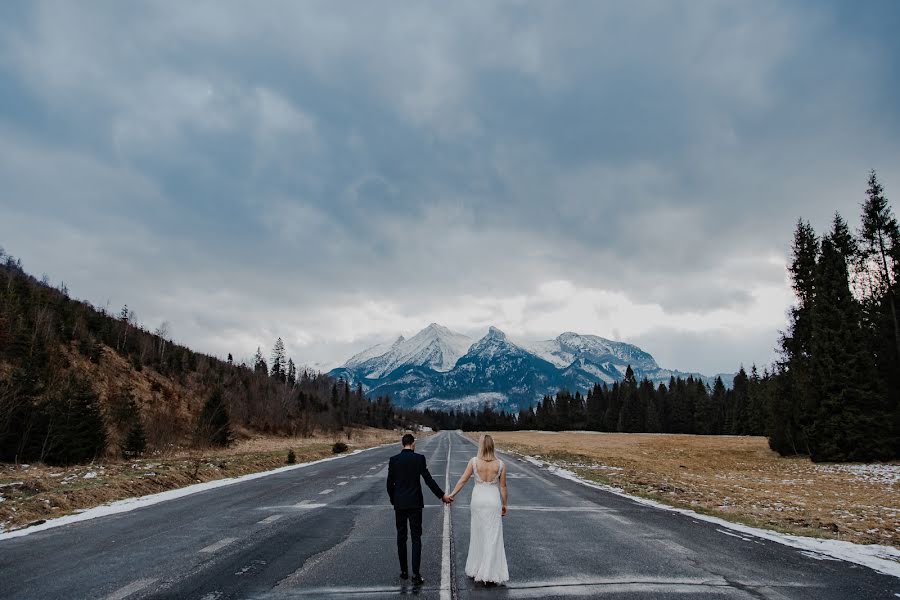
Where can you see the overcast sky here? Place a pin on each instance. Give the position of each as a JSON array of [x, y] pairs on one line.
[[338, 173]]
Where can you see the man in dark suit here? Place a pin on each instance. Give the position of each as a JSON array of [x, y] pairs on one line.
[[404, 471]]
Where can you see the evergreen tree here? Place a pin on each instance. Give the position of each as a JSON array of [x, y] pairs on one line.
[[631, 415], [75, 432], [847, 423], [879, 234], [279, 368], [291, 373], [214, 424], [135, 441], [792, 410], [740, 405], [259, 363]]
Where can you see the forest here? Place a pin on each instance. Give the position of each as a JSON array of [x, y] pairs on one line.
[[77, 382], [683, 406]]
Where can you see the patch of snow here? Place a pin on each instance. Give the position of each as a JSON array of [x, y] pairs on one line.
[[463, 402], [129, 504], [90, 475], [879, 473], [883, 559]]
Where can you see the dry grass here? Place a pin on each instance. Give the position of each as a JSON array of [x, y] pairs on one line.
[[33, 493], [736, 478]]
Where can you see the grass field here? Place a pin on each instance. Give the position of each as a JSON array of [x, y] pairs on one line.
[[32, 493], [736, 478]]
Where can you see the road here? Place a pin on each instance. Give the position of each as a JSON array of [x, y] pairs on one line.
[[327, 531]]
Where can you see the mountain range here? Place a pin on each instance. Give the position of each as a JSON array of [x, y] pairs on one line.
[[442, 369]]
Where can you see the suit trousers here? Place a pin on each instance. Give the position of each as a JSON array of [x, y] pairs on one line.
[[414, 517]]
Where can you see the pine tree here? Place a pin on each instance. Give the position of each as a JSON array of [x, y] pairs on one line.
[[259, 363], [846, 424], [791, 411], [879, 234], [76, 431], [135, 441], [214, 424], [291, 373], [278, 363], [631, 415], [740, 404]]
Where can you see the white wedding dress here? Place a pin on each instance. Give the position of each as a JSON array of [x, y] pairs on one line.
[[487, 555]]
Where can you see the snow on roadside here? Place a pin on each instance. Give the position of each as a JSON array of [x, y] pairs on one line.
[[129, 504], [883, 559]]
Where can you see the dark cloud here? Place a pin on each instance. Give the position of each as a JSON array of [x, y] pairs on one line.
[[246, 172]]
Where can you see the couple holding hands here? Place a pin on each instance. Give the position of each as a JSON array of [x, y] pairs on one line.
[[486, 562]]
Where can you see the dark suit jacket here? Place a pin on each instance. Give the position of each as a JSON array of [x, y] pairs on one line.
[[404, 471]]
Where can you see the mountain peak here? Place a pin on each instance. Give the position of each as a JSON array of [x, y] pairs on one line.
[[434, 347], [495, 333]]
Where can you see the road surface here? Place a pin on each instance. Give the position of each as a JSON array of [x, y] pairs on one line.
[[327, 531]]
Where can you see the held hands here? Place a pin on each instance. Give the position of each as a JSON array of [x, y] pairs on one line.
[[447, 499], [503, 511]]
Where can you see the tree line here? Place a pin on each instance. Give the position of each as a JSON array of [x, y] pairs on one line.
[[836, 391], [65, 399], [628, 406]]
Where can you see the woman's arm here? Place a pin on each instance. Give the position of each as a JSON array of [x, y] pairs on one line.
[[462, 480], [503, 494]]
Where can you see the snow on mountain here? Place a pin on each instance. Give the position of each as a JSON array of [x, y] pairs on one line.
[[438, 368], [435, 347], [373, 352], [569, 347]]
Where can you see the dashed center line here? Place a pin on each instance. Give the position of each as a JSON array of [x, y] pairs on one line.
[[131, 588], [218, 545], [328, 491], [271, 519], [343, 482]]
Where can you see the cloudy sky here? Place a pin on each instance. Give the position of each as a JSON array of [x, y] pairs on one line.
[[337, 173]]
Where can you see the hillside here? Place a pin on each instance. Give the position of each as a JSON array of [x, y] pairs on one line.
[[76, 381]]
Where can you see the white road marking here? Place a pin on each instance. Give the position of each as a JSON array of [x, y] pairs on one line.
[[218, 545], [343, 482], [445, 550], [271, 519], [308, 504], [131, 588], [328, 491]]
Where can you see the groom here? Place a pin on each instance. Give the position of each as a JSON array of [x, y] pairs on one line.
[[403, 487]]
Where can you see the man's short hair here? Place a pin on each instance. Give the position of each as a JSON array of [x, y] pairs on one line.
[[408, 439]]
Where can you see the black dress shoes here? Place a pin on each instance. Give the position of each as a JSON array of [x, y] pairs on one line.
[[417, 580], [404, 575]]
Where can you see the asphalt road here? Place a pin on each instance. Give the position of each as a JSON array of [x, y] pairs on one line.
[[327, 531]]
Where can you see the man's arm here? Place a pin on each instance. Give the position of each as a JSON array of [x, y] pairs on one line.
[[429, 481], [391, 480]]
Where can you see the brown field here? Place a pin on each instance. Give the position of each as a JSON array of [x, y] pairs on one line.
[[736, 478], [31, 493]]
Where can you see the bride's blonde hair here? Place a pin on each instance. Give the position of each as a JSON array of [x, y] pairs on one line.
[[486, 447]]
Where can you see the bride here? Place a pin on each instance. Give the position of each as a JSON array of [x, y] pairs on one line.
[[487, 556]]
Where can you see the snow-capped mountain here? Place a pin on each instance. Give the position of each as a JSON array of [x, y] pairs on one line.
[[438, 368], [435, 347]]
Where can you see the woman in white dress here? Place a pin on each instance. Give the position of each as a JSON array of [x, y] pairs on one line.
[[487, 556]]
